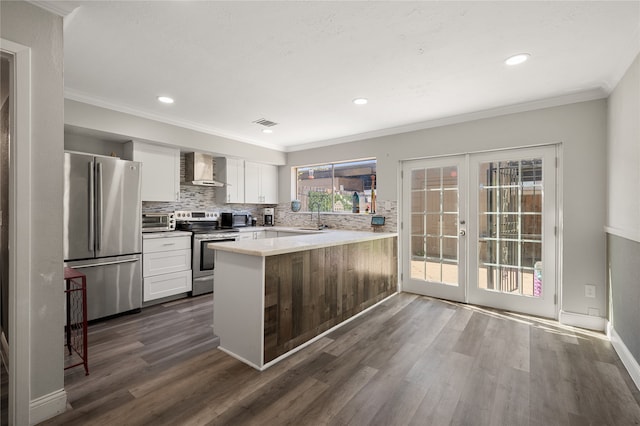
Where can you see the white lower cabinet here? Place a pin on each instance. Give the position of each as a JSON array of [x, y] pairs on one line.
[[165, 262], [251, 235], [166, 266], [165, 285], [246, 236]]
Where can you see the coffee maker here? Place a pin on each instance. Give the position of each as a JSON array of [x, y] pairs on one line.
[[268, 216]]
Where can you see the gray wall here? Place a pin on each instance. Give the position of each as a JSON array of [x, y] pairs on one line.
[[623, 208], [92, 145], [31, 26], [623, 258], [580, 128]]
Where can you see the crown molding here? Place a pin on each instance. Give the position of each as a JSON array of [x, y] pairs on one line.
[[78, 96], [584, 96], [60, 8], [588, 95]]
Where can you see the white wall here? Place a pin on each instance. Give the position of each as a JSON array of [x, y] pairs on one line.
[[91, 117], [31, 26], [623, 218], [580, 128], [623, 155]]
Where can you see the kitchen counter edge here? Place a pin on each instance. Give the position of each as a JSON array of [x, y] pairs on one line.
[[165, 234], [274, 246]]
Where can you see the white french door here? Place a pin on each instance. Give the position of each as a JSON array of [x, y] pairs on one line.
[[434, 249], [480, 228]]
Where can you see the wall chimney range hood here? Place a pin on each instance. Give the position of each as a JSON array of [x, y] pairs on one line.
[[198, 170]]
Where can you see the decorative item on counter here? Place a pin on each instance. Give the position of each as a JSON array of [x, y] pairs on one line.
[[373, 194], [295, 205], [356, 203]]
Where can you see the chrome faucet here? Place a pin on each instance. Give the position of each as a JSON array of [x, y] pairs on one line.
[[319, 226]]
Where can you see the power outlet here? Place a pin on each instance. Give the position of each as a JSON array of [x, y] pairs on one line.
[[590, 291]]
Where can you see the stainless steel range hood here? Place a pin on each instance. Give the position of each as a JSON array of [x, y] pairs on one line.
[[198, 170]]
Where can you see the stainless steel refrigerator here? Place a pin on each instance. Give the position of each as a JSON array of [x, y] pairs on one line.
[[102, 230]]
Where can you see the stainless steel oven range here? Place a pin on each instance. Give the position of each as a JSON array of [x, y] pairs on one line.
[[205, 228]]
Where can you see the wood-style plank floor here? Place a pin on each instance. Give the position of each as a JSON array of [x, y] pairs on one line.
[[412, 360]]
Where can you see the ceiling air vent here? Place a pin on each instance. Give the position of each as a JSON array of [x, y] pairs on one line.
[[265, 122]]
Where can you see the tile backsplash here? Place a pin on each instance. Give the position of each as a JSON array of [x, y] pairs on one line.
[[350, 221], [204, 198], [200, 198]]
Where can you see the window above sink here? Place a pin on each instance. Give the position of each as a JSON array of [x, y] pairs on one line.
[[341, 187]]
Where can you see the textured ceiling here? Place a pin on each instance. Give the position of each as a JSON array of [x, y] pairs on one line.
[[300, 64]]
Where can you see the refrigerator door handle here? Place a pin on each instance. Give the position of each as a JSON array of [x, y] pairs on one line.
[[91, 207], [115, 262], [99, 206]]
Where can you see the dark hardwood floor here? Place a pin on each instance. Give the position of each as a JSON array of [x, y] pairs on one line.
[[410, 361]]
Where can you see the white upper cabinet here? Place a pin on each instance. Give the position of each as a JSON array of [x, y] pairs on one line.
[[231, 172], [160, 170], [261, 183]]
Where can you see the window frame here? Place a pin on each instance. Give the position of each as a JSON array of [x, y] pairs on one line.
[[295, 183]]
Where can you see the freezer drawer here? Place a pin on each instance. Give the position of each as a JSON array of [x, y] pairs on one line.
[[114, 284]]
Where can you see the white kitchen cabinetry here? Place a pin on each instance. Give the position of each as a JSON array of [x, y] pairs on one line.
[[251, 235], [244, 236], [160, 170], [260, 183], [166, 265], [231, 172], [289, 234]]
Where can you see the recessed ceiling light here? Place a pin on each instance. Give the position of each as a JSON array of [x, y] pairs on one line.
[[165, 99], [267, 131], [360, 101], [517, 59]]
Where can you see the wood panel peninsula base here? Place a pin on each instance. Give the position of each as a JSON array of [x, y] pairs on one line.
[[274, 296]]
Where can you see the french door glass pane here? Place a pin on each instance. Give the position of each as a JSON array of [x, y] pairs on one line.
[[434, 225], [510, 227]]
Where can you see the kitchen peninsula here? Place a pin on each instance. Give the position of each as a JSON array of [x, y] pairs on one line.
[[273, 295]]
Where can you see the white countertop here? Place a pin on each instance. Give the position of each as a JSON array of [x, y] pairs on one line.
[[281, 228], [165, 234], [309, 240]]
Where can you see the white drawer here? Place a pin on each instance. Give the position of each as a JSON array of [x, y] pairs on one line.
[[166, 285], [165, 244], [164, 262]]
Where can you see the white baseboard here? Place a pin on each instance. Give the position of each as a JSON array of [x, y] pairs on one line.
[[583, 321], [47, 406], [630, 363]]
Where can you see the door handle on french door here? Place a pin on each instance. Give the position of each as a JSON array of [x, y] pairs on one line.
[[463, 232]]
